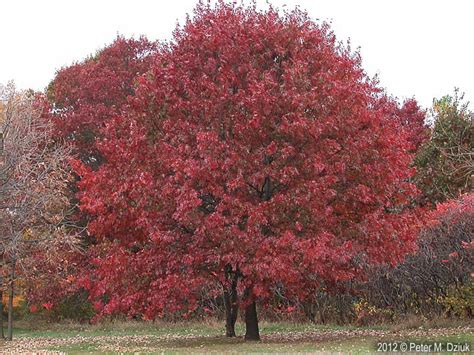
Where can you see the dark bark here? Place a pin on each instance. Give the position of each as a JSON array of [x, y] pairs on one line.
[[230, 314], [10, 301], [2, 334], [230, 302], [251, 320]]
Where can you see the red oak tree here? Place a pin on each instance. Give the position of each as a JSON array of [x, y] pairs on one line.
[[256, 155]]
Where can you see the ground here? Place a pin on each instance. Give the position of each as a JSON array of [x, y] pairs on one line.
[[204, 338]]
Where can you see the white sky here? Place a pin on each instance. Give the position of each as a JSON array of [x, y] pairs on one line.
[[418, 48]]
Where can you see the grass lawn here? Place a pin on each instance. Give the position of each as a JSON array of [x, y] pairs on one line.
[[140, 337]]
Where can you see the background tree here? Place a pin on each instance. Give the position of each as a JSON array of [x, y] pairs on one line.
[[87, 94], [256, 150], [33, 181], [83, 98], [445, 163]]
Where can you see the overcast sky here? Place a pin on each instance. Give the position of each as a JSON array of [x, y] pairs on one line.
[[420, 48]]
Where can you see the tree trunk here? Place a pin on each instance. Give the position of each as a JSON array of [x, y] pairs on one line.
[[230, 300], [251, 320], [231, 309], [2, 334], [10, 302], [2, 268]]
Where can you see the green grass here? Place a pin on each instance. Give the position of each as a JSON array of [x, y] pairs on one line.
[[146, 328], [208, 337], [223, 345], [76, 348], [367, 345]]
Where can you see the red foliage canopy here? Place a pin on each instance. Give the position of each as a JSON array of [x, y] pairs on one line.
[[411, 120], [256, 144], [85, 95], [82, 98], [453, 211]]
